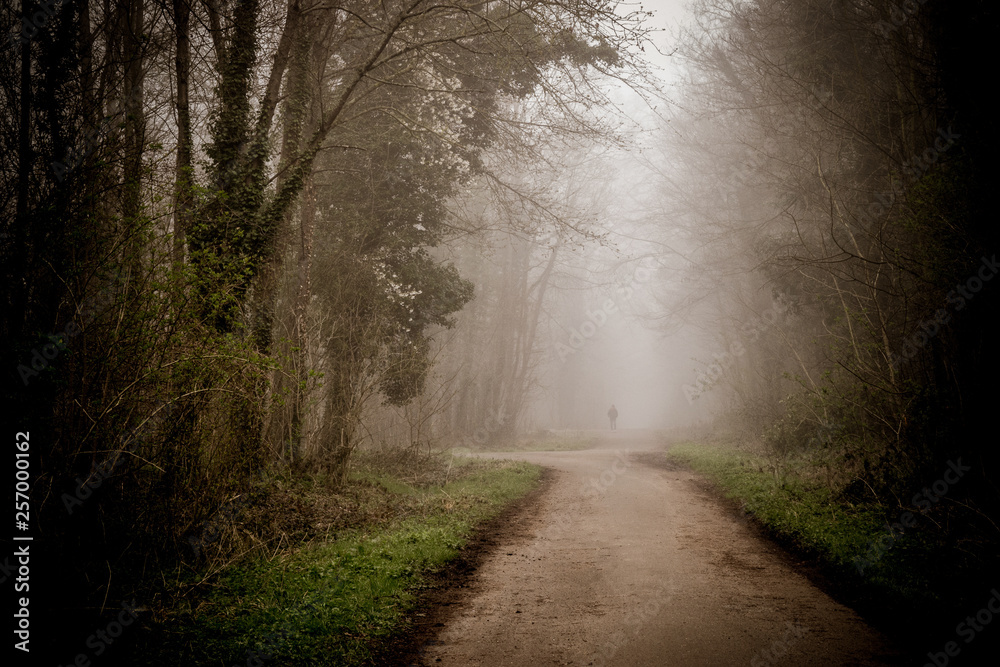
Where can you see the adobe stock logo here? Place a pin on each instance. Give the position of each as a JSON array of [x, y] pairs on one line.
[[597, 318], [723, 361], [923, 501], [579, 335], [958, 299], [899, 14], [968, 630], [29, 28], [43, 356]]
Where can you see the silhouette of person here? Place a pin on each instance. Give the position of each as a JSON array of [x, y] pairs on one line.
[[613, 416]]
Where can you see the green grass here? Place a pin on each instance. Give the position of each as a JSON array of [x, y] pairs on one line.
[[808, 516], [339, 602]]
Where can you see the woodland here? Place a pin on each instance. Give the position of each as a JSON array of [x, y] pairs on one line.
[[248, 239]]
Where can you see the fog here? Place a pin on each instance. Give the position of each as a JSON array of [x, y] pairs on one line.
[[611, 341], [251, 247], [616, 329], [708, 254]]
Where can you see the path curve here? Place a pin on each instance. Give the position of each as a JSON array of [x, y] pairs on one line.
[[628, 562]]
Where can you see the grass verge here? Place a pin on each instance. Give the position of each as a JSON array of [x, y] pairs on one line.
[[339, 601], [926, 586], [897, 577]]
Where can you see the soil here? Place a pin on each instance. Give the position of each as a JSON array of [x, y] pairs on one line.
[[621, 559]]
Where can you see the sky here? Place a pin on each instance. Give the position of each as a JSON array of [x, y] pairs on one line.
[[668, 16], [641, 370]]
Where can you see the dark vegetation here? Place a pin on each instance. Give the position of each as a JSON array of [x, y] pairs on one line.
[[220, 247], [361, 552], [231, 249], [913, 585], [837, 167]]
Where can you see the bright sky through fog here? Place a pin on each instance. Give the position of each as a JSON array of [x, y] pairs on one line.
[[638, 369], [665, 25], [668, 15]]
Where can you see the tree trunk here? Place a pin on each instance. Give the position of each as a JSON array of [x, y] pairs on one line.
[[183, 178]]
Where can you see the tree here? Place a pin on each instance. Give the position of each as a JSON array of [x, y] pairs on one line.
[[168, 177], [834, 152]]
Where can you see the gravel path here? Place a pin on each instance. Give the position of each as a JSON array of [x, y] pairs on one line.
[[625, 561]]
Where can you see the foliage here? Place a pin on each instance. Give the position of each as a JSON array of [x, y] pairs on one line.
[[172, 180], [835, 158], [911, 578], [342, 599]]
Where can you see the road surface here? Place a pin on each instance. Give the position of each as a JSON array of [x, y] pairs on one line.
[[626, 561]]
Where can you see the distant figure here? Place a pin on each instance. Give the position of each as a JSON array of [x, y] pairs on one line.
[[613, 416]]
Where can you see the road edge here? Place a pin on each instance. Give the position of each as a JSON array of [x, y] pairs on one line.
[[445, 589]]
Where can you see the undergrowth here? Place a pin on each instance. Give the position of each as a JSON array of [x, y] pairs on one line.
[[342, 595], [903, 573]]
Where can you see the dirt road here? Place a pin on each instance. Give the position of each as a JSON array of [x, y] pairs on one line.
[[624, 561]]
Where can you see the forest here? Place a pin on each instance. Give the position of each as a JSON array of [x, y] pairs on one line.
[[253, 244]]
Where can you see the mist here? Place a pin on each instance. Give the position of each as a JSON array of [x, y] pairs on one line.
[[266, 255]]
